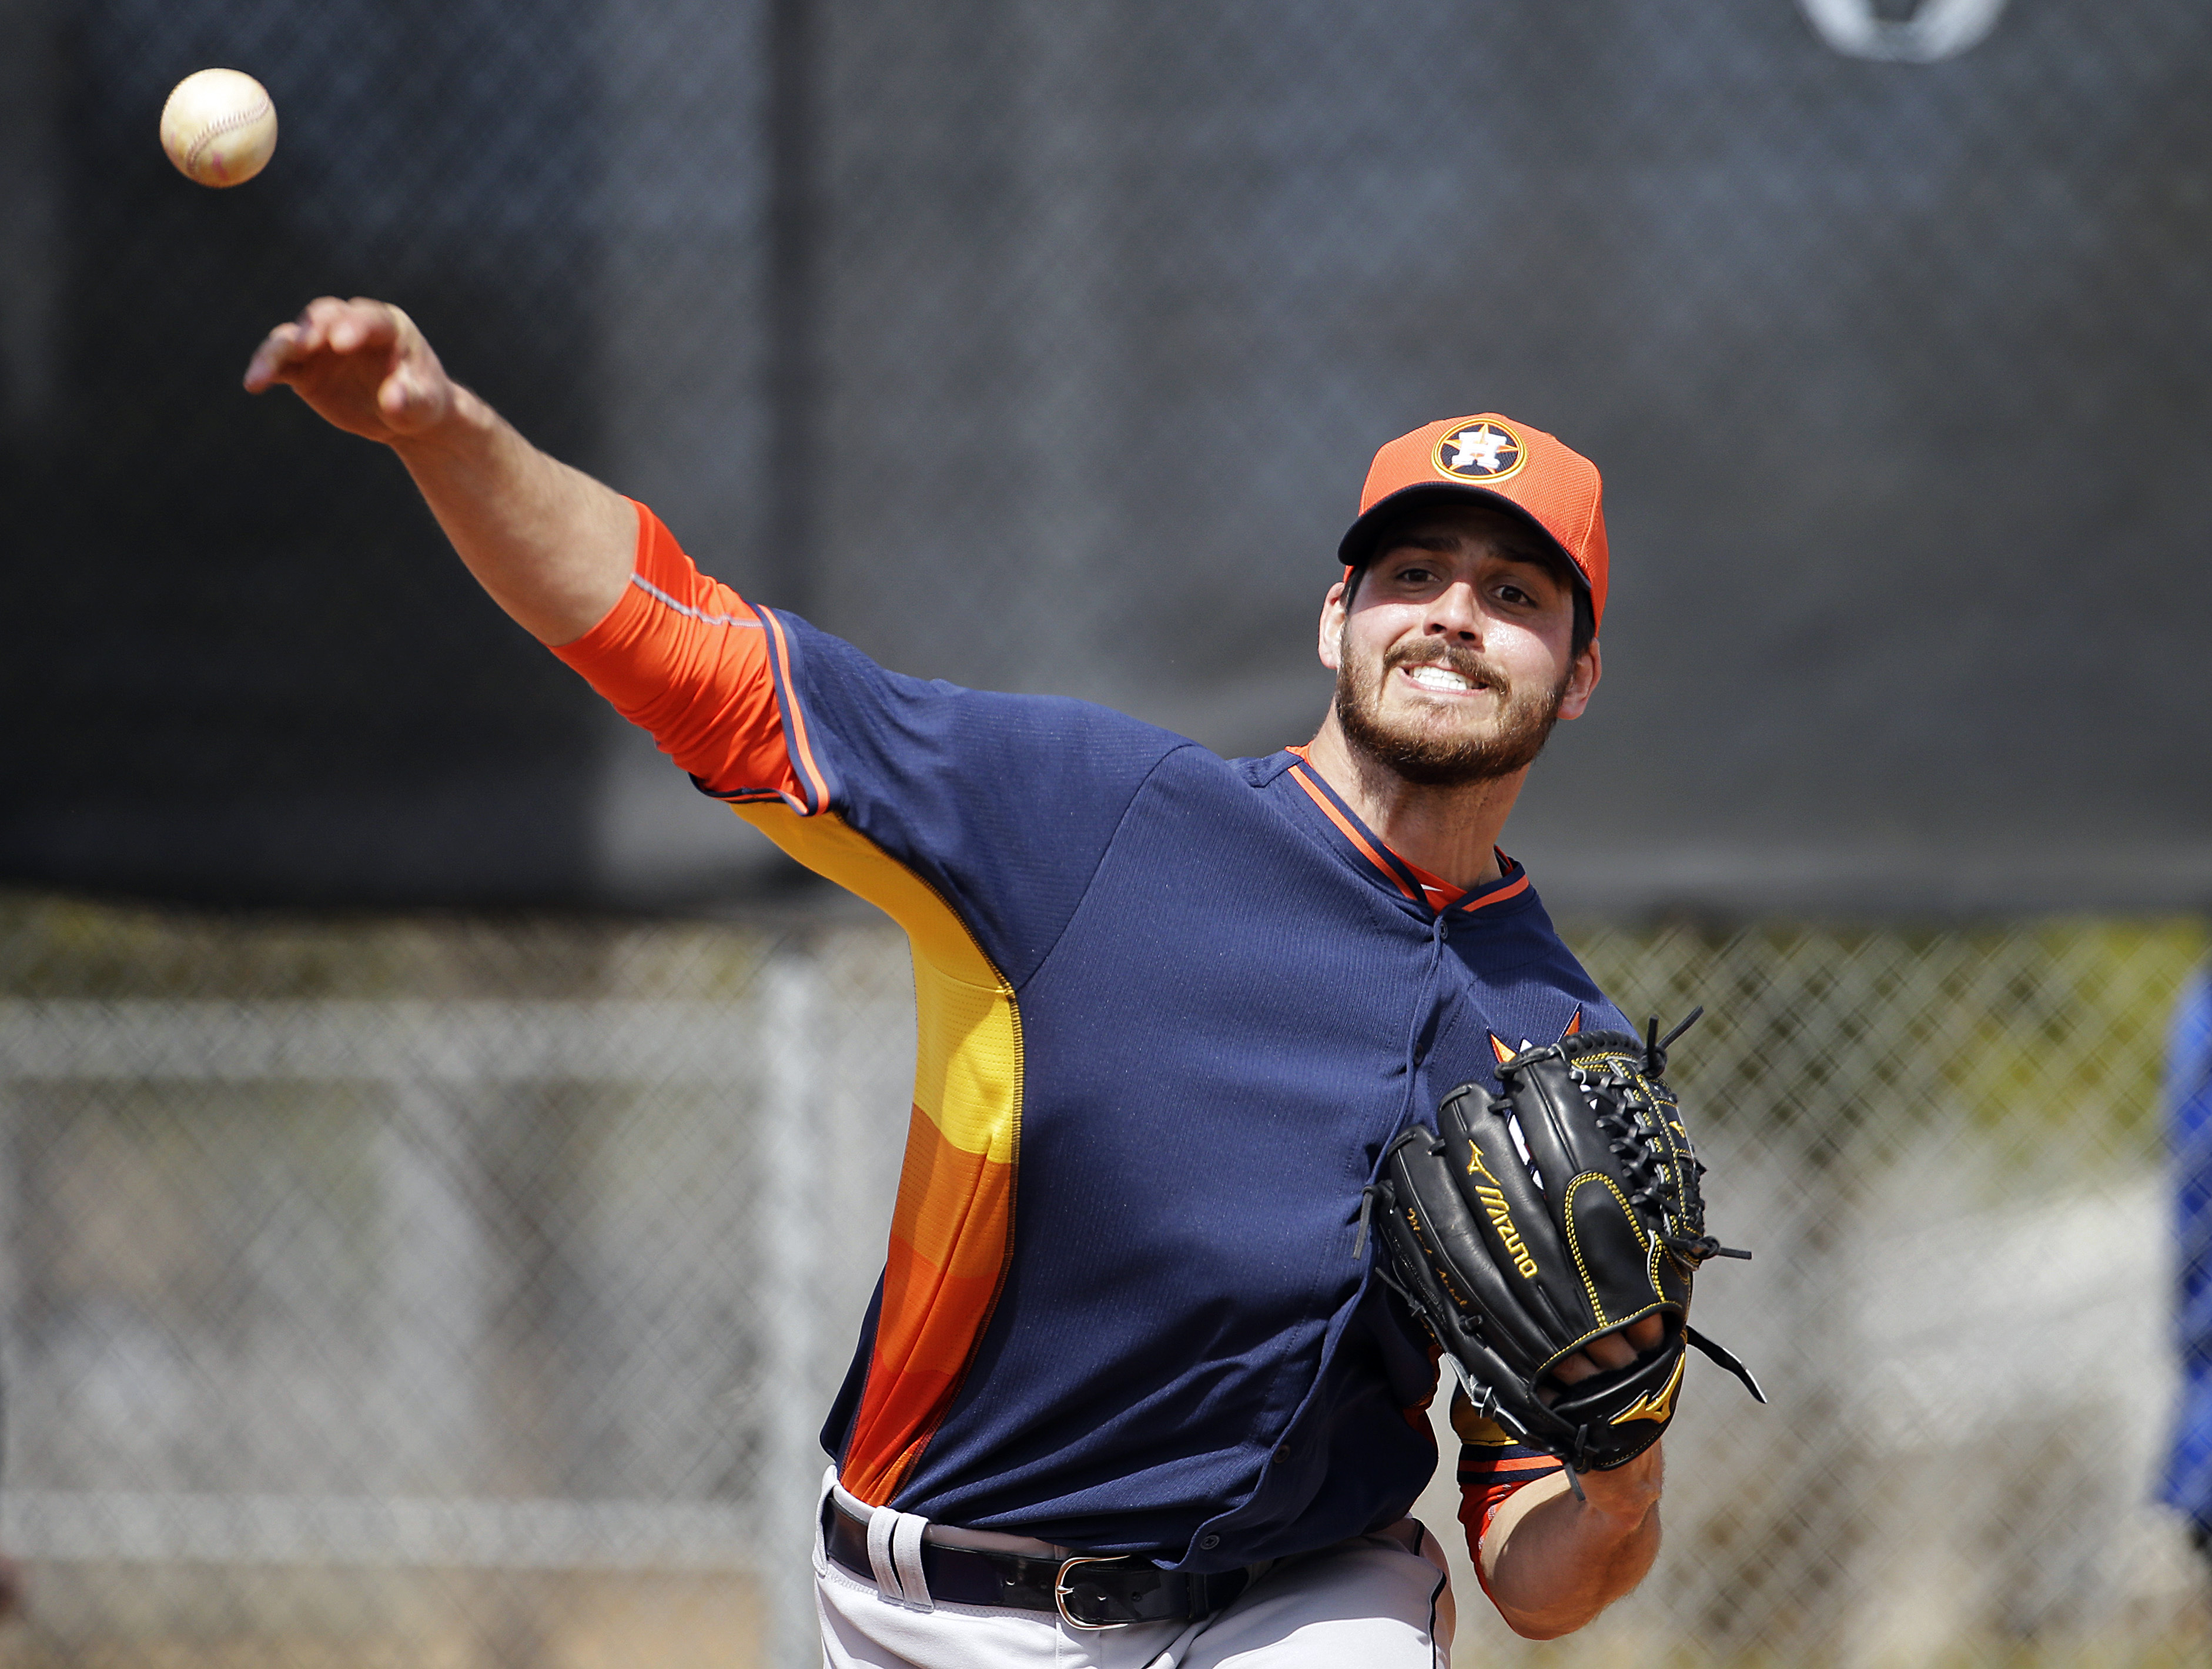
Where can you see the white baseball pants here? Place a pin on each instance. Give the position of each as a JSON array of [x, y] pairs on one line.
[[1381, 1601]]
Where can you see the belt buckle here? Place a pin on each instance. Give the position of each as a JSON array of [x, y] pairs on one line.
[[1060, 1590]]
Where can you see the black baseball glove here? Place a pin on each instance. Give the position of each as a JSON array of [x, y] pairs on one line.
[[1528, 1223]]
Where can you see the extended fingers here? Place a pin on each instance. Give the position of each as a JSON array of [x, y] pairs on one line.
[[348, 327], [361, 323], [326, 325], [277, 351], [287, 346]]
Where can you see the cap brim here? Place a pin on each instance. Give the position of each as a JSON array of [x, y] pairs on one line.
[[1357, 548]]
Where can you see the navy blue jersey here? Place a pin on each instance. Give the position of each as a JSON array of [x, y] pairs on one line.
[[1172, 1008]]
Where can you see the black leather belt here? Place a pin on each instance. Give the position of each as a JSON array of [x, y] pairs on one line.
[[1089, 1591]]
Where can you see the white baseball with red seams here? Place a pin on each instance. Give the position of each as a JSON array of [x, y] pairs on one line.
[[219, 127]]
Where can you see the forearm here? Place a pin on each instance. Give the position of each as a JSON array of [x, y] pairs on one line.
[[553, 546], [1552, 1561]]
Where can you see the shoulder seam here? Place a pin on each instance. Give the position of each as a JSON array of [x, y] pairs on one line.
[[1091, 881]]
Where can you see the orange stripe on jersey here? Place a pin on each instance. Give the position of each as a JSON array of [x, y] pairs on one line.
[[1513, 890], [801, 748], [1350, 830], [922, 1344], [928, 1312], [952, 1228], [949, 1238], [892, 1429], [1438, 893], [684, 656], [953, 1205]]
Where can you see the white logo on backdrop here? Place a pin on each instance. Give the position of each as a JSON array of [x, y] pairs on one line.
[[1938, 30]]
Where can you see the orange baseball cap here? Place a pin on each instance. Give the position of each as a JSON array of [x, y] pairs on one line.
[[1489, 456]]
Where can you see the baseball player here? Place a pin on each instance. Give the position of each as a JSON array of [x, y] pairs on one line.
[[1128, 1391], [2187, 1483]]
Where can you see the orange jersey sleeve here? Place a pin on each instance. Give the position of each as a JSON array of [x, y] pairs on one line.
[[686, 658]]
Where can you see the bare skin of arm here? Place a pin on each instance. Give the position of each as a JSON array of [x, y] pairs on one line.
[[552, 546], [1553, 1561]]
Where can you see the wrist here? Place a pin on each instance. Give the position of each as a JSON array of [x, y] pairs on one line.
[[464, 425], [1615, 1511], [1626, 1494]]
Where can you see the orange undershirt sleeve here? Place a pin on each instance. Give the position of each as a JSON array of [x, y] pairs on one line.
[[1488, 1474], [686, 658]]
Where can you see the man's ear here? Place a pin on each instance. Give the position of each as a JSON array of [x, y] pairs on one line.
[[1581, 682], [1332, 625]]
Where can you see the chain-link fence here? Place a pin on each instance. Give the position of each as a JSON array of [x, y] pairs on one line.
[[433, 1292], [470, 1292]]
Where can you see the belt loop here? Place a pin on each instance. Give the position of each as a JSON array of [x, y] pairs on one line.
[[906, 1559], [895, 1555], [881, 1522]]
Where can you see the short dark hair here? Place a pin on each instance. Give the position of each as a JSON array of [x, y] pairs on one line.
[[1545, 554]]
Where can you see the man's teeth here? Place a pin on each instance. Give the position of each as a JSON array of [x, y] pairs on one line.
[[1437, 678]]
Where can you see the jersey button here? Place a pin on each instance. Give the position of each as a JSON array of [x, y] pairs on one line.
[[1283, 1453], [1209, 1543]]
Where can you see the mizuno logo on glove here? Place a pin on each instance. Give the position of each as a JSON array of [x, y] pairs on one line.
[[1589, 1225], [1501, 1214]]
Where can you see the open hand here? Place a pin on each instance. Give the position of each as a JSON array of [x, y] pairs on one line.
[[361, 364]]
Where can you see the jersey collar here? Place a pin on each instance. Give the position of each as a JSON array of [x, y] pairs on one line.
[[1415, 884]]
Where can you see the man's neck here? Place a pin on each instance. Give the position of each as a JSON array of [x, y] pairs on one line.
[[1451, 832]]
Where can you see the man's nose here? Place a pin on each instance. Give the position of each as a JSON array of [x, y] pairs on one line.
[[1454, 613]]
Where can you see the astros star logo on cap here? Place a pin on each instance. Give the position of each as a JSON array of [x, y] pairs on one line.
[[1485, 450], [1485, 456]]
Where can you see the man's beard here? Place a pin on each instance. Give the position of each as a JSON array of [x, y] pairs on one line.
[[1424, 752]]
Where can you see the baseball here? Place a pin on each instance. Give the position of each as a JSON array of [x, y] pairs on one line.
[[219, 127]]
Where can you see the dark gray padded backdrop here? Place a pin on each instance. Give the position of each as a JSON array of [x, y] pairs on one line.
[[1041, 343]]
